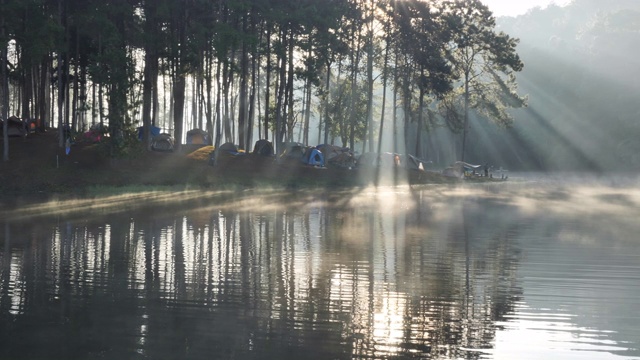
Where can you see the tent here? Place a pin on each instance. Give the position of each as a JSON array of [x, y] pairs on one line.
[[337, 156], [198, 136], [343, 160], [154, 131], [229, 148], [162, 142], [289, 146], [293, 151], [313, 157], [263, 147], [96, 133], [15, 127], [330, 151]]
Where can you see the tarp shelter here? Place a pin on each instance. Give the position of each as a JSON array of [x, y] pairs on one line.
[[162, 142], [313, 157], [415, 163], [15, 127], [198, 136], [154, 131], [263, 147], [460, 169]]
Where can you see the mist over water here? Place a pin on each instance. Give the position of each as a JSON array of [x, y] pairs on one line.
[[536, 267]]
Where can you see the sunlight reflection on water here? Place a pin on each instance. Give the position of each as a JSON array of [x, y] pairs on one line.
[[523, 269]]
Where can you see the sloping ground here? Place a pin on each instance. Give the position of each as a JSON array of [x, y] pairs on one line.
[[38, 165]]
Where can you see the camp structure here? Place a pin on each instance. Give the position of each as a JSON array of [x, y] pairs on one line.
[[413, 163], [313, 157], [460, 169], [15, 127], [337, 156], [153, 132], [198, 137], [96, 133], [263, 147], [229, 149], [224, 152], [162, 142], [292, 151]]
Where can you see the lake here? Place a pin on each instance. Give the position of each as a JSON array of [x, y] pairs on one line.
[[531, 268]]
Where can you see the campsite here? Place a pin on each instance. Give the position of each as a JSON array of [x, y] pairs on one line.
[[37, 164]]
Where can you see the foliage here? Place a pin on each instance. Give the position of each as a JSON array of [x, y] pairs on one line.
[[243, 63]]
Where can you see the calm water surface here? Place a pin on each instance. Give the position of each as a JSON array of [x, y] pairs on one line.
[[518, 270]]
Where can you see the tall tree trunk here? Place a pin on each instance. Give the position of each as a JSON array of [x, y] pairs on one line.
[[290, 101], [419, 131], [327, 120], [252, 98], [74, 116], [4, 86], [60, 82], [354, 85], [44, 92], [465, 124], [281, 91], [307, 101], [209, 105], [244, 83], [385, 69], [179, 84], [267, 100], [147, 90], [179, 80], [227, 79], [369, 123]]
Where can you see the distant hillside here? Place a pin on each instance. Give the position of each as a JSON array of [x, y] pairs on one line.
[[580, 74]]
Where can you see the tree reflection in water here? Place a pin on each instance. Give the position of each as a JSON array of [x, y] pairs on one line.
[[351, 279]]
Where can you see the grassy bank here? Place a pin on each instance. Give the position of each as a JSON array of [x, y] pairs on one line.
[[38, 165]]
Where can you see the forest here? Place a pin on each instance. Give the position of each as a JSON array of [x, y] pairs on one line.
[[346, 72], [579, 75], [431, 78]]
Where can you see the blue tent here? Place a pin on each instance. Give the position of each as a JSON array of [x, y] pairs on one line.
[[313, 157], [155, 131]]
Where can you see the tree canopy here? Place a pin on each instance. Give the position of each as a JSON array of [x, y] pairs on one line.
[[256, 68]]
